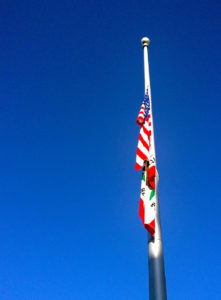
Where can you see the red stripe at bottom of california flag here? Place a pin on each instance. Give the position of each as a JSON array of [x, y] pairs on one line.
[[151, 226], [141, 210]]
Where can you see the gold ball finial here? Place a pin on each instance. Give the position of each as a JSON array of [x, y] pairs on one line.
[[145, 41]]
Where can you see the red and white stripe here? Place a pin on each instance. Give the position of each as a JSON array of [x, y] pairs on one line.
[[144, 143], [140, 118], [145, 151]]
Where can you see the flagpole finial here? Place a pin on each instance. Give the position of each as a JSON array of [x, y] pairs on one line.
[[145, 41]]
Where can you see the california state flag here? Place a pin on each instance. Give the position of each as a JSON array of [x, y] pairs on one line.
[[147, 209]]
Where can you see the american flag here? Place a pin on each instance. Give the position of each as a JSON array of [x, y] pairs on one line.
[[144, 149], [144, 120]]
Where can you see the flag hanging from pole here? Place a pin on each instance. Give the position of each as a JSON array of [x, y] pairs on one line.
[[145, 159]]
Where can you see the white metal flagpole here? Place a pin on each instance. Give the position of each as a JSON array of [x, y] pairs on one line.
[[157, 281]]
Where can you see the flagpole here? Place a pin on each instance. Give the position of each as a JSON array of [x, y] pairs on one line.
[[157, 280]]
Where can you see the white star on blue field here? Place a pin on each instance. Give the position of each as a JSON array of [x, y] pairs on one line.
[[71, 88]]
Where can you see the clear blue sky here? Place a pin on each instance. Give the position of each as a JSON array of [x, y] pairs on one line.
[[71, 87]]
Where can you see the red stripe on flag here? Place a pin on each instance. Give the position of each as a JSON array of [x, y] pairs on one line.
[[137, 167], [141, 210], [147, 132], [141, 154], [148, 118], [150, 227], [144, 142]]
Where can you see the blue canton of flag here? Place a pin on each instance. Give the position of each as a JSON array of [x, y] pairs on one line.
[[146, 102]]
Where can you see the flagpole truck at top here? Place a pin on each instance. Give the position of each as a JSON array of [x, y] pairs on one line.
[[149, 210]]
